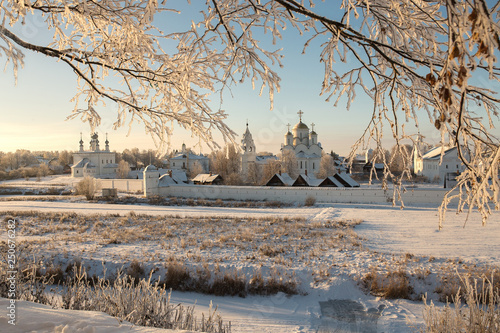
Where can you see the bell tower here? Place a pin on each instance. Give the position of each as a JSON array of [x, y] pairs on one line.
[[249, 155]]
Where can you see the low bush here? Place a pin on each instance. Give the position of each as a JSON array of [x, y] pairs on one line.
[[395, 284], [228, 282], [310, 201], [177, 277], [87, 187], [135, 271]]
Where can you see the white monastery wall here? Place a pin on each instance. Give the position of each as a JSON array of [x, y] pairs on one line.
[[123, 185], [299, 194]]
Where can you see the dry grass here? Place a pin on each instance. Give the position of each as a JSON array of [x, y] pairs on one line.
[[284, 243], [227, 282], [453, 283], [480, 315]]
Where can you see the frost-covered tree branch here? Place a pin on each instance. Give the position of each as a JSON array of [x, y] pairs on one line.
[[417, 60]]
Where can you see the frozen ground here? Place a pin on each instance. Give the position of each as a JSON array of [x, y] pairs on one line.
[[388, 236]]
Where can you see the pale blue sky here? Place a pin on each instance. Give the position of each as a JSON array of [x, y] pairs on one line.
[[33, 112]]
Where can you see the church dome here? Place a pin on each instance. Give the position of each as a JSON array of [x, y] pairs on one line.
[[300, 125], [150, 168]]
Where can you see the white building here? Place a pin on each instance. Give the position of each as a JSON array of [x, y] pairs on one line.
[[186, 160], [94, 162], [305, 145], [434, 165]]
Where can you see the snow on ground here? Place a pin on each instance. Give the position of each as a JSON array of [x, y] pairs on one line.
[[34, 317], [59, 180], [414, 230], [385, 230], [195, 211]]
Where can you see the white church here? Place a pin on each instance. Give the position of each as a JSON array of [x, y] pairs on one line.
[[305, 145], [300, 140], [94, 162]]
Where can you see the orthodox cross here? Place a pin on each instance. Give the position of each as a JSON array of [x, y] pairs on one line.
[[312, 126], [288, 125], [300, 113]]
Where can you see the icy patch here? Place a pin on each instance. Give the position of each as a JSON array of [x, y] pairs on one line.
[[345, 315]]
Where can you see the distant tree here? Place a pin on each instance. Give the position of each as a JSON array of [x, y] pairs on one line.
[[195, 169], [254, 174], [335, 156], [129, 157], [24, 158], [123, 170], [400, 160], [43, 170], [9, 161], [226, 162], [289, 163], [233, 158], [233, 178], [270, 168], [326, 166], [65, 157], [218, 162]]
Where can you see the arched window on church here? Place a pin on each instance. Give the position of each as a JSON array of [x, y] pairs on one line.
[[249, 148], [314, 167], [301, 165]]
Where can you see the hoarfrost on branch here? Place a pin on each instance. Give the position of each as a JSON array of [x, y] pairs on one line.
[[417, 60]]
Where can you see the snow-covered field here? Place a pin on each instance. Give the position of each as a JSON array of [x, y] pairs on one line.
[[328, 259]]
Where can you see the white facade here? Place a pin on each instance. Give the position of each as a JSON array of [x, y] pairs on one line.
[[431, 165], [94, 162], [305, 146], [186, 160]]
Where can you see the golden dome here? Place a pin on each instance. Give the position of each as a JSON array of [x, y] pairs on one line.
[[300, 125]]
